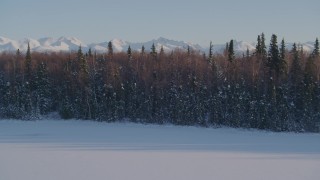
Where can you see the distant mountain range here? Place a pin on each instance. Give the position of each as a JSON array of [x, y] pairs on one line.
[[48, 44]]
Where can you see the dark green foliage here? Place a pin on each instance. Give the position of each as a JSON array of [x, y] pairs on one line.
[[42, 89], [225, 52], [110, 49], [28, 66], [18, 53], [282, 51], [231, 51], [161, 50], [263, 46], [276, 64], [210, 59], [142, 50], [283, 62], [296, 70], [82, 62], [129, 53], [247, 53], [261, 49], [296, 88], [273, 56], [315, 51], [89, 52], [153, 51], [258, 46], [66, 110]]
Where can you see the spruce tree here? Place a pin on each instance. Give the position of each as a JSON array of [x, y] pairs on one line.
[[18, 53], [66, 110], [90, 52], [16, 68], [161, 50], [82, 62], [296, 89], [258, 46], [210, 53], [153, 51], [225, 52], [248, 53], [231, 51], [295, 70], [316, 48], [282, 50], [142, 50], [129, 53], [83, 67], [110, 49], [275, 63], [283, 55], [28, 65], [263, 46], [309, 96], [43, 88], [27, 87]]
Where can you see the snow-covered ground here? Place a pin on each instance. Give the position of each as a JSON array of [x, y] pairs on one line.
[[82, 150]]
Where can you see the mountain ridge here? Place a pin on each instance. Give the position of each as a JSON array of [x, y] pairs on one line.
[[49, 44]]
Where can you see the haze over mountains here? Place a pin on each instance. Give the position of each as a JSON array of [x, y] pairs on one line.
[[48, 44]]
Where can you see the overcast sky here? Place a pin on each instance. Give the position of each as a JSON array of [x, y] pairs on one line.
[[198, 21]]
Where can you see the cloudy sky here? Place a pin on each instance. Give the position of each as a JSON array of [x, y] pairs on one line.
[[198, 21]]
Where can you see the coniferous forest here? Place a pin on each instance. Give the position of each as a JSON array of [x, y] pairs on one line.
[[273, 88]]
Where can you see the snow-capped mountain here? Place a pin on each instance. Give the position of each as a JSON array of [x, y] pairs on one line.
[[239, 47], [48, 44], [7, 44], [117, 44], [168, 45]]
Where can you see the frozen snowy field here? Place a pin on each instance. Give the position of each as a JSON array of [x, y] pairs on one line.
[[82, 150]]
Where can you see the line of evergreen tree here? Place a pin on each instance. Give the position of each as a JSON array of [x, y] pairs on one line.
[[276, 90]]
